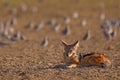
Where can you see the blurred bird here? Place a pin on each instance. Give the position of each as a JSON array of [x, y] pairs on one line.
[[111, 23], [108, 25], [11, 30], [102, 16], [39, 26], [52, 22], [107, 35], [5, 34], [114, 33], [44, 43], [117, 23], [30, 25], [87, 35], [66, 31], [108, 29], [67, 20], [23, 37], [83, 22], [13, 11], [16, 37], [110, 33], [75, 15], [34, 9], [23, 7], [13, 21], [56, 27], [103, 25]]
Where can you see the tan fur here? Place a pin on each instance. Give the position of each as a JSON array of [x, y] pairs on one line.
[[96, 59], [72, 59]]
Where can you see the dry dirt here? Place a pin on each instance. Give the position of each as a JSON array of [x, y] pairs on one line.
[[28, 60]]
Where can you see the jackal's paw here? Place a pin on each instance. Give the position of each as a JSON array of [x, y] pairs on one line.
[[72, 66]]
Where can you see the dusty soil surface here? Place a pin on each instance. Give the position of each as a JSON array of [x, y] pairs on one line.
[[28, 60]]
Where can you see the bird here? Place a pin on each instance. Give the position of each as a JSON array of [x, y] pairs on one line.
[[52, 22], [57, 27], [11, 30], [66, 31], [83, 22], [87, 35], [110, 33], [107, 35], [75, 15], [44, 42], [30, 25], [34, 9], [102, 16], [16, 36], [13, 11], [67, 20], [23, 37], [23, 7], [103, 25], [13, 21], [114, 33], [5, 34], [39, 26]]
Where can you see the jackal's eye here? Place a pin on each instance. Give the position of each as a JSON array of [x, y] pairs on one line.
[[67, 55], [74, 53]]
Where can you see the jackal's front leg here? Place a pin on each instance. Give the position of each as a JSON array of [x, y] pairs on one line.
[[72, 66]]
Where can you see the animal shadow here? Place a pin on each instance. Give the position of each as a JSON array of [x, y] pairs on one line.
[[52, 67], [59, 67]]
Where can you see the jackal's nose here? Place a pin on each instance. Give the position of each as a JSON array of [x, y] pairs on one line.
[[105, 64], [67, 55]]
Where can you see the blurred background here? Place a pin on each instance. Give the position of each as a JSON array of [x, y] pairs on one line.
[[31, 32], [40, 20]]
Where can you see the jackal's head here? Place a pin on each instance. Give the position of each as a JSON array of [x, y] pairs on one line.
[[105, 62], [70, 50]]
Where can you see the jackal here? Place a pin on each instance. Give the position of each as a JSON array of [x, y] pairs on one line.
[[73, 59]]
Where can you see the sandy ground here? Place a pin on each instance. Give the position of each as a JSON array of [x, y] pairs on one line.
[[28, 60]]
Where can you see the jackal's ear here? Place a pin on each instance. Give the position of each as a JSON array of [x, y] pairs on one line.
[[76, 44], [64, 43]]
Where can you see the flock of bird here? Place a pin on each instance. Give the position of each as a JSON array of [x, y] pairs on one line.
[[8, 32]]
